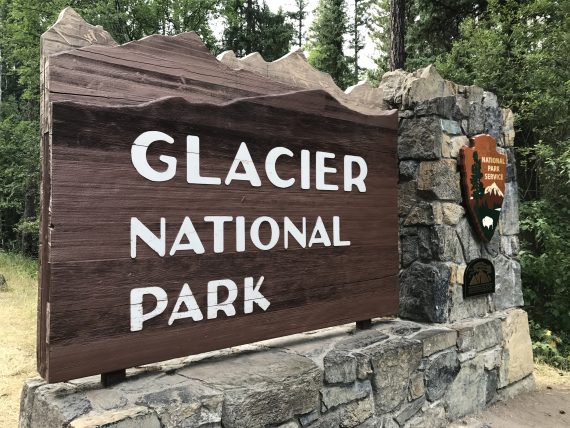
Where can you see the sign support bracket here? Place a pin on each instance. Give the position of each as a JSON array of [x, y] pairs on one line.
[[113, 378], [364, 324]]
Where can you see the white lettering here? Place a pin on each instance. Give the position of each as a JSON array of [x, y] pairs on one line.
[[319, 235], [140, 230], [305, 169], [187, 298], [252, 295], [254, 233], [289, 228], [193, 163], [140, 161], [137, 296], [240, 234], [357, 181], [227, 305], [270, 167], [321, 170], [250, 173], [218, 231], [337, 242], [194, 243]]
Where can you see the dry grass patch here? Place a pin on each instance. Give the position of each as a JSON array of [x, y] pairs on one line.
[[548, 377], [17, 332]]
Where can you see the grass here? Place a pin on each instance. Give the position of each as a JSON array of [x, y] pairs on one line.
[[548, 377], [17, 332]]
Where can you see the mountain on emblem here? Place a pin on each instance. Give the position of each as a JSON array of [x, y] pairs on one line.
[[483, 173], [493, 189]]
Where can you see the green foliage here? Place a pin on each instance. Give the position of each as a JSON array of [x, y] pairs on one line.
[[550, 348], [477, 189], [433, 27], [21, 24], [545, 223], [19, 171], [519, 50], [276, 34], [251, 27], [134, 19], [378, 24], [356, 29], [326, 41], [298, 18], [18, 265]]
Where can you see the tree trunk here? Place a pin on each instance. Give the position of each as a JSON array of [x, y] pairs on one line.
[[300, 35], [356, 41], [249, 26], [397, 33]]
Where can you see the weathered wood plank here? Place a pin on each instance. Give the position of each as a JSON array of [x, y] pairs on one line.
[[68, 33], [69, 361], [293, 69], [98, 98], [172, 272]]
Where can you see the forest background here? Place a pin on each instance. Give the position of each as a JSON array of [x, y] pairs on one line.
[[518, 49]]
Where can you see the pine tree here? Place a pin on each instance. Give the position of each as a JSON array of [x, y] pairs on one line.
[[195, 15], [433, 26], [378, 25], [276, 34], [298, 17], [326, 40], [356, 30], [477, 188], [430, 29], [251, 27]]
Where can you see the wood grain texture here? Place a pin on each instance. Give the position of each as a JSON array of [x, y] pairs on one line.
[[69, 32], [101, 97], [293, 69]]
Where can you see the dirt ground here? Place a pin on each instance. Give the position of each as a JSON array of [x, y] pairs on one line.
[[548, 407]]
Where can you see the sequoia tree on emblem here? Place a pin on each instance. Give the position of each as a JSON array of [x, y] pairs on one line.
[[483, 173]]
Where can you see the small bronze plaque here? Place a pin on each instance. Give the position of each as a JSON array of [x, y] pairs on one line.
[[479, 278]]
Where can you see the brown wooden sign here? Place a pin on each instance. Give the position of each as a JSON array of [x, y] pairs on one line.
[[483, 174], [191, 223]]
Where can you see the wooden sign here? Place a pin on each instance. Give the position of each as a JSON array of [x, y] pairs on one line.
[[184, 224], [479, 278], [483, 174]]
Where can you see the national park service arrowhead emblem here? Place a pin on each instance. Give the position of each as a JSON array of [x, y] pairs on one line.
[[483, 173]]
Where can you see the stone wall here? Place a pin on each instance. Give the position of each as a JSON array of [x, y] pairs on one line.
[[449, 358], [396, 374], [436, 238]]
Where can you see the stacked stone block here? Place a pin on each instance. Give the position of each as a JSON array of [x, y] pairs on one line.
[[397, 374], [436, 239]]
